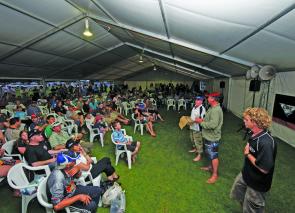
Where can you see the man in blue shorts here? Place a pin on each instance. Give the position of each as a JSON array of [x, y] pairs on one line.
[[211, 133]]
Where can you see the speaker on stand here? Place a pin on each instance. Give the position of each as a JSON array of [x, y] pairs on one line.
[[254, 87], [222, 86], [254, 83], [221, 99], [266, 74]]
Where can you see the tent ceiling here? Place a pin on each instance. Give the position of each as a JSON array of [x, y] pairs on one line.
[[200, 39]]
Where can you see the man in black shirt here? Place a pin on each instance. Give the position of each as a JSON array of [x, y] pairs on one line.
[[255, 180], [37, 153]]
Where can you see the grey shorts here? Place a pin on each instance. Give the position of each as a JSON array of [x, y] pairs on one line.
[[251, 200]]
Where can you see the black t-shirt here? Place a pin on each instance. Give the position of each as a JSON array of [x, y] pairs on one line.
[[37, 153], [60, 109], [264, 149], [18, 143]]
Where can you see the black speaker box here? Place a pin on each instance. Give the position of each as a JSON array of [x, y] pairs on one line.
[[222, 84], [254, 85]]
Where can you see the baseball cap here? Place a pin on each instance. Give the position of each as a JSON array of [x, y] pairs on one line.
[[70, 143], [63, 158], [33, 132], [214, 94], [33, 116], [199, 97], [57, 123]]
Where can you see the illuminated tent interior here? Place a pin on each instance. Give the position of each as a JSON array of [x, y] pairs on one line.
[[141, 42], [178, 41]]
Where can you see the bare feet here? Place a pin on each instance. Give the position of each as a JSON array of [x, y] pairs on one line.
[[212, 179], [198, 158], [206, 168], [193, 150]]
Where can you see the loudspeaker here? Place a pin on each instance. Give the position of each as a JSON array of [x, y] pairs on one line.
[[254, 85], [222, 84]]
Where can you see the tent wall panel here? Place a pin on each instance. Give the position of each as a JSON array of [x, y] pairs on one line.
[[240, 98], [216, 88], [283, 84]]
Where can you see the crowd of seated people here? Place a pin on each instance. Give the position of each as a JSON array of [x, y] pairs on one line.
[[44, 136]]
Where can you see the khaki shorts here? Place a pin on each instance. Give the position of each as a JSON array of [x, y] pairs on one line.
[[197, 140]]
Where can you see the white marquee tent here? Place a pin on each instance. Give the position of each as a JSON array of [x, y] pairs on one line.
[[213, 40]]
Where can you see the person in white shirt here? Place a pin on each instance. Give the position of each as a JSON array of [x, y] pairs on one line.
[[198, 111]]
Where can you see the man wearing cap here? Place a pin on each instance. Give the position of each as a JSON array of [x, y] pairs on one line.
[[59, 138], [37, 123], [37, 153], [62, 190], [198, 111], [211, 132], [86, 163]]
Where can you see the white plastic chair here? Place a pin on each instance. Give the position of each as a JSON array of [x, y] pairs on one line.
[[154, 103], [137, 123], [181, 103], [126, 107], [6, 112], [17, 179], [171, 103], [68, 125], [44, 110], [121, 148], [8, 147], [41, 102], [132, 104], [43, 199], [54, 115], [119, 106], [86, 177], [94, 132], [10, 107]]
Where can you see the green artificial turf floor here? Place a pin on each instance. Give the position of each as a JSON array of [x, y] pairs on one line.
[[165, 180]]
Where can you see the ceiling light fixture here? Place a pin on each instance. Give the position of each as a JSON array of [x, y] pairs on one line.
[[155, 68], [140, 59], [87, 31], [140, 56]]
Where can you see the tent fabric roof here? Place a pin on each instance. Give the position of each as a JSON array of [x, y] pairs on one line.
[[200, 39]]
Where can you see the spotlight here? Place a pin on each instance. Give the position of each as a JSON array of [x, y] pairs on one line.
[[87, 31], [140, 59]]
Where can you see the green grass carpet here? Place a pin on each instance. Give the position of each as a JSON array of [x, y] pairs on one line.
[[165, 180]]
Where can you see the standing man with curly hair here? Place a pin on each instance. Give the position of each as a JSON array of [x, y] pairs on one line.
[[255, 179]]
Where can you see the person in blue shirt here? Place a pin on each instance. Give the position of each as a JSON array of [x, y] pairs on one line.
[[118, 137]]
